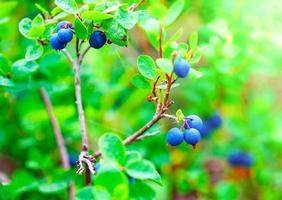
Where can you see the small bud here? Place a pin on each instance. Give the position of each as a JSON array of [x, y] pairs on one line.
[[150, 98]]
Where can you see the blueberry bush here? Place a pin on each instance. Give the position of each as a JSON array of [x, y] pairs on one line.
[[140, 99]]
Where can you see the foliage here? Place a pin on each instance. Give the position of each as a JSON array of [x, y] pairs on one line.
[[235, 72]]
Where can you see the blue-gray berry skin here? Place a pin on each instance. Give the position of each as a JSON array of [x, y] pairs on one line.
[[240, 159], [65, 35], [192, 136], [55, 42], [181, 68], [215, 121], [97, 166], [193, 121], [63, 25], [174, 137], [97, 39], [131, 180]]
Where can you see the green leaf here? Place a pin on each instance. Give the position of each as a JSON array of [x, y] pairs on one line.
[[80, 29], [41, 8], [5, 65], [173, 12], [180, 116], [165, 65], [50, 188], [90, 28], [6, 82], [114, 181], [38, 21], [132, 155], [193, 40], [95, 15], [7, 7], [56, 11], [68, 6], [24, 27], [127, 19], [93, 193], [36, 31], [142, 169], [146, 193], [112, 148], [34, 52], [146, 67], [115, 32], [140, 82], [85, 193], [23, 68]]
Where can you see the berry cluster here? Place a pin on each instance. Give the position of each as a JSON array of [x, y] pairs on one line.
[[191, 134], [64, 35], [181, 67], [240, 159], [211, 124]]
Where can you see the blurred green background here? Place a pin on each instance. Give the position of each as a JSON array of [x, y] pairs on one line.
[[241, 81]]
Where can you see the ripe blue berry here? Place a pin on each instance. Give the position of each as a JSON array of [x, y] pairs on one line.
[[240, 159], [73, 159], [55, 42], [193, 121], [206, 130], [181, 68], [97, 39], [63, 25], [65, 35], [215, 121], [192, 136], [174, 137], [97, 166], [131, 180]]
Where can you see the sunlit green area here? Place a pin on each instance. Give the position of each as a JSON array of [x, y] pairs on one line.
[[237, 77]]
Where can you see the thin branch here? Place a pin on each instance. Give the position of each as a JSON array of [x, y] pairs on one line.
[[154, 86], [160, 42], [145, 135], [134, 8], [83, 54], [80, 110], [77, 47], [69, 57], [56, 128], [59, 138], [169, 116], [84, 158]]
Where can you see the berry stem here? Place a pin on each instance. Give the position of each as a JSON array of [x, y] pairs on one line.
[[134, 8], [160, 42], [58, 135], [83, 54]]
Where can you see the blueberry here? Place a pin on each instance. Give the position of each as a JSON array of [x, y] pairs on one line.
[[63, 25], [174, 137], [131, 180], [240, 159], [65, 35], [193, 121], [73, 159], [192, 136], [206, 130], [215, 121], [97, 166], [181, 68], [55, 42], [97, 39]]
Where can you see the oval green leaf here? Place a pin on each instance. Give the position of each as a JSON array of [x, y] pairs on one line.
[[147, 67]]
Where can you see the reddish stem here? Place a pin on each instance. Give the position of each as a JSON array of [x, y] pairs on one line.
[[137, 5]]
